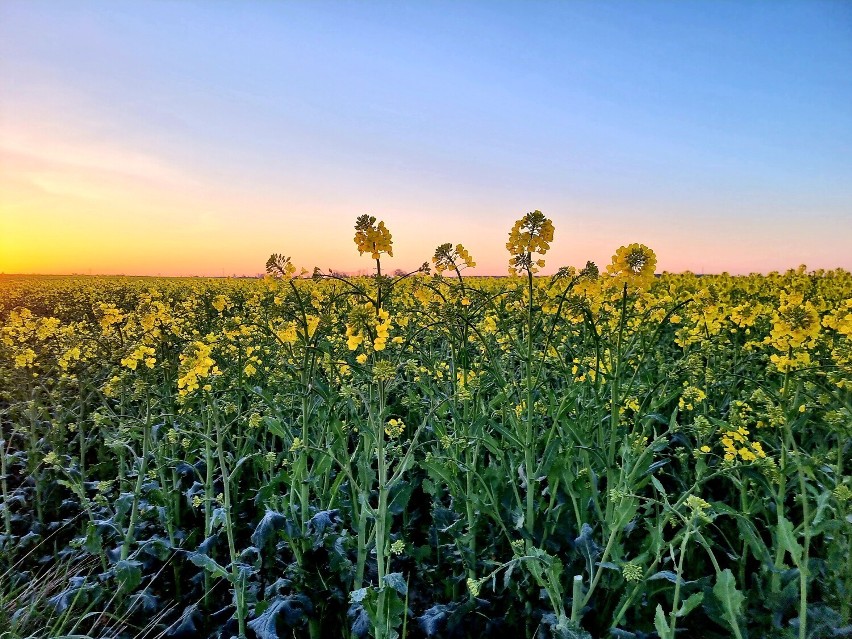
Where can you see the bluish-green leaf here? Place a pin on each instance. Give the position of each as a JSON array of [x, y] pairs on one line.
[[128, 574], [357, 596], [271, 523], [396, 581]]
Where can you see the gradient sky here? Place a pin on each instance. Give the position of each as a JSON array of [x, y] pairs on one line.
[[182, 138]]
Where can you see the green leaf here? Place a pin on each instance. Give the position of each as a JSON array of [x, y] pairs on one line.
[[129, 575], [731, 599], [217, 518], [822, 504], [668, 575], [274, 426], [265, 626], [209, 564], [787, 539], [123, 505], [691, 604], [660, 623], [658, 485], [93, 543], [749, 534]]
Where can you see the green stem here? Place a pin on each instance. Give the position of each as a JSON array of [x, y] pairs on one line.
[[676, 599], [137, 493], [236, 575], [7, 515], [529, 433], [381, 514]]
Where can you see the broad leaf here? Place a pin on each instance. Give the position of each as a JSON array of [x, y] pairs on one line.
[[787, 539], [731, 599], [271, 523], [128, 574], [209, 564], [396, 581]]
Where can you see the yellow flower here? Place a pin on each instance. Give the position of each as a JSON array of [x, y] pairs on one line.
[[690, 397], [383, 325], [634, 264], [533, 233], [26, 359], [195, 365], [371, 238], [446, 257], [280, 266], [220, 302], [795, 328], [353, 339], [312, 323], [394, 428]]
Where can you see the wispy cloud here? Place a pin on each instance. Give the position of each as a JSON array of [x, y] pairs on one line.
[[56, 154]]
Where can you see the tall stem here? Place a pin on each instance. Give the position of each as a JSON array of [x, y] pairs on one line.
[[381, 512], [676, 599], [529, 434], [236, 575], [7, 515], [137, 493]]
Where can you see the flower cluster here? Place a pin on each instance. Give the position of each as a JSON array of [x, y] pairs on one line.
[[690, 397], [394, 428], [634, 264], [108, 317], [383, 325], [360, 321], [447, 257], [279, 266], [737, 445], [699, 508], [632, 573], [141, 353], [473, 586], [220, 302], [533, 233], [195, 366], [372, 238], [795, 327]]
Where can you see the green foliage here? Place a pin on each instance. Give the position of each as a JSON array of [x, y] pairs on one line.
[[574, 456]]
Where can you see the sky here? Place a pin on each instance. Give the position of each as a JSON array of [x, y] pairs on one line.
[[197, 138]]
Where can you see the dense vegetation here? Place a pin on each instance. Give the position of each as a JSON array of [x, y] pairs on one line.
[[587, 454]]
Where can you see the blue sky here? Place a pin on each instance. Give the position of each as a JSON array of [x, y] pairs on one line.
[[719, 133]]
